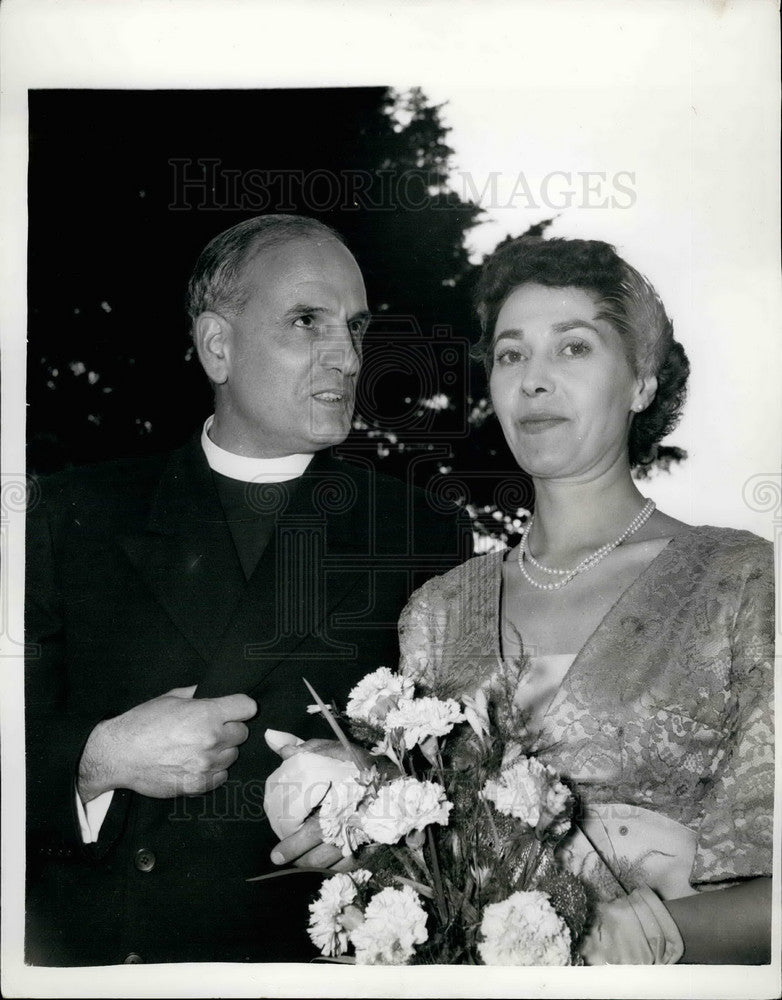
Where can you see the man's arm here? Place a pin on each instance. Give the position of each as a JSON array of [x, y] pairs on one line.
[[171, 745], [55, 734]]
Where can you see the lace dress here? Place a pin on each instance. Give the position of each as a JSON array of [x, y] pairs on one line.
[[663, 720]]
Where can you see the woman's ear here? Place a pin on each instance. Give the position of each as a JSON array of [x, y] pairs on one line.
[[645, 389], [212, 335]]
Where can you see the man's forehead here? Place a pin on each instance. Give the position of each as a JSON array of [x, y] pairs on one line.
[[300, 253], [317, 265]]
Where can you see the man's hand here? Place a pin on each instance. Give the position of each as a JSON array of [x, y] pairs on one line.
[[171, 745], [305, 848]]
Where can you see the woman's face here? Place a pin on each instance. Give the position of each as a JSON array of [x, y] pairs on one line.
[[561, 383]]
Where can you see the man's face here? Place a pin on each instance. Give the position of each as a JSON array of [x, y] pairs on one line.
[[292, 353]]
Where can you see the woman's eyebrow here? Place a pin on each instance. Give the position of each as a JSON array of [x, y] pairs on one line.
[[517, 333], [575, 324]]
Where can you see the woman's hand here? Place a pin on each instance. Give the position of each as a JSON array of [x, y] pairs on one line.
[[635, 929], [720, 927], [305, 848]]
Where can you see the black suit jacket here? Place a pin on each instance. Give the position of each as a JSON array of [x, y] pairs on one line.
[[134, 587]]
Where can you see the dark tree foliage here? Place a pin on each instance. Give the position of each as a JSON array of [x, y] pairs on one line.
[[126, 187]]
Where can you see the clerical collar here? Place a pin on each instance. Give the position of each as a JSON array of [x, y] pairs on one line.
[[251, 470]]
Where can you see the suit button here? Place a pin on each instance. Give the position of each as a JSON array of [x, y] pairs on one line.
[[133, 959], [144, 860]]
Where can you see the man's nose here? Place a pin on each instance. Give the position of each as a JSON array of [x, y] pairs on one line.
[[340, 351]]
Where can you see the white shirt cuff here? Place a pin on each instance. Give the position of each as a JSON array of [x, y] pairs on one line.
[[92, 815]]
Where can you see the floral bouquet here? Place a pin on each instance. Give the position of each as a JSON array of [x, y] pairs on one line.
[[453, 834]]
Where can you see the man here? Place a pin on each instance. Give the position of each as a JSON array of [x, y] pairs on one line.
[[174, 605]]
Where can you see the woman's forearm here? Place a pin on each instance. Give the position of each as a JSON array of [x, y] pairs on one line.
[[726, 926]]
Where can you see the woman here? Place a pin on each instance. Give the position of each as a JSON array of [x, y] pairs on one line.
[[648, 641]]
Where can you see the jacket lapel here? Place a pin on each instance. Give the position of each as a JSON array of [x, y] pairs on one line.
[[186, 554], [297, 584]]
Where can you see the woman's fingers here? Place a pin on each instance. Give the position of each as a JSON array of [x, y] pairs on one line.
[[306, 849], [345, 864], [322, 856], [326, 748], [304, 840]]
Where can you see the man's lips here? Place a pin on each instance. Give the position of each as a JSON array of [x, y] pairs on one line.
[[333, 395]]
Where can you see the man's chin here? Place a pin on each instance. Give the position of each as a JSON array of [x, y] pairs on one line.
[[330, 434], [327, 441]]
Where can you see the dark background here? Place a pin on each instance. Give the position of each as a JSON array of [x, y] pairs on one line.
[[126, 187]]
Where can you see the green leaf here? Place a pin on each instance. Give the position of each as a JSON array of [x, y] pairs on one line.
[[292, 871], [424, 890], [335, 726]]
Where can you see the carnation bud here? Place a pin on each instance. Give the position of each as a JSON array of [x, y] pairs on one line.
[[415, 840], [351, 917]]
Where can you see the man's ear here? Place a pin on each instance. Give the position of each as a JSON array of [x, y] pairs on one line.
[[212, 335], [645, 391]]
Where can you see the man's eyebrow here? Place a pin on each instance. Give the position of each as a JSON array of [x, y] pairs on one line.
[[302, 308]]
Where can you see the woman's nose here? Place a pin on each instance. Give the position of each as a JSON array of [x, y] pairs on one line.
[[536, 379]]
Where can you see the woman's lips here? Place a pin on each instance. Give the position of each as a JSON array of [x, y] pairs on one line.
[[537, 425]]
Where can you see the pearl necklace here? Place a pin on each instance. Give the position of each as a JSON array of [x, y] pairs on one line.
[[589, 562]]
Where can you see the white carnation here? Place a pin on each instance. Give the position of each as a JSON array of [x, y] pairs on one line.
[[327, 929], [531, 792], [338, 815], [394, 923], [404, 805], [421, 718], [377, 693], [524, 929]]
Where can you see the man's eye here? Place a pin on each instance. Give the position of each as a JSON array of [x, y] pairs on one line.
[[576, 349], [358, 327], [306, 321]]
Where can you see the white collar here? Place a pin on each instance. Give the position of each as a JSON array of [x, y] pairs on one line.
[[251, 470]]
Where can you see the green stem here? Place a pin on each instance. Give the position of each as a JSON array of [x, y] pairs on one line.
[[336, 728], [495, 834], [438, 882], [536, 863]]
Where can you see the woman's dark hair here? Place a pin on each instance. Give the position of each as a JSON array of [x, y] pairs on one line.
[[629, 303]]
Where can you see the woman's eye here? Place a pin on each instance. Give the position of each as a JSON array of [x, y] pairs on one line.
[[576, 349], [509, 356]]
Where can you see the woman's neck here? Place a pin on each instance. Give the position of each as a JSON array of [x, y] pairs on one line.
[[574, 519]]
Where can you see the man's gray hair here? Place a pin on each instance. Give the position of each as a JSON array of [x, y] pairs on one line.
[[215, 283]]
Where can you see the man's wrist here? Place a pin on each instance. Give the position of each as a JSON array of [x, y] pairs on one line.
[[95, 773]]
